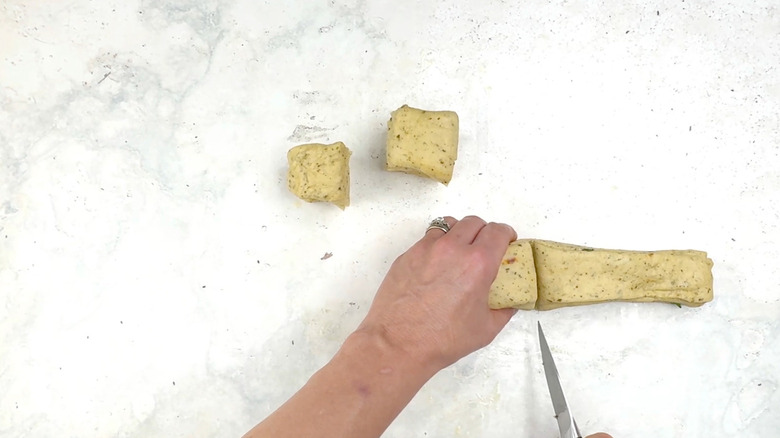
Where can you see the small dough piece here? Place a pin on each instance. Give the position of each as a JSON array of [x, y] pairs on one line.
[[571, 275], [320, 172], [423, 142], [515, 284]]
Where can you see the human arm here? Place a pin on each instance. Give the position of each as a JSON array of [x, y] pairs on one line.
[[430, 310]]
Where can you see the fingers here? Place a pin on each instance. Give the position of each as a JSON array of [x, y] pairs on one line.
[[599, 435], [494, 238], [466, 230], [495, 233], [474, 230]]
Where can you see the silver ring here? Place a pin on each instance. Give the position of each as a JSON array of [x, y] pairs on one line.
[[438, 224]]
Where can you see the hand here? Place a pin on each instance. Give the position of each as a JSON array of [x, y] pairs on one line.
[[433, 303], [599, 435]]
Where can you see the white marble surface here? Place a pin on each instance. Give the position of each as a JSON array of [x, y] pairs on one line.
[[157, 279]]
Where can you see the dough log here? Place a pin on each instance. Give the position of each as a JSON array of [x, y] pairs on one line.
[[572, 275]]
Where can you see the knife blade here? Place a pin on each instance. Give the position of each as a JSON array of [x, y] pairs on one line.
[[566, 424]]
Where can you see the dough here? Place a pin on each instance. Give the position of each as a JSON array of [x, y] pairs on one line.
[[320, 172], [571, 275], [423, 142], [515, 284]]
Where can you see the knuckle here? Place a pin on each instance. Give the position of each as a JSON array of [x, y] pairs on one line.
[[499, 226], [500, 229], [493, 227], [474, 218]]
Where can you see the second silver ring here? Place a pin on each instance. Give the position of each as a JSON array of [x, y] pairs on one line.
[[438, 224]]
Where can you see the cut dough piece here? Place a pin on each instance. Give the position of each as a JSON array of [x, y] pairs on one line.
[[320, 173], [515, 284], [571, 275], [423, 142]]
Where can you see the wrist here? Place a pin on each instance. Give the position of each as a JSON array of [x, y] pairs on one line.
[[376, 350]]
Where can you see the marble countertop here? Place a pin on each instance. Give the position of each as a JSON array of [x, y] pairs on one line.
[[158, 279]]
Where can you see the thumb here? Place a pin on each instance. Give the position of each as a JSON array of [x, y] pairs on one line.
[[599, 435]]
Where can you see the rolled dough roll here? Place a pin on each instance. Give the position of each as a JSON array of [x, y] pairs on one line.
[[572, 275]]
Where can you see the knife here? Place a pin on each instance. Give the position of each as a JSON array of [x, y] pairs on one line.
[[566, 423]]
